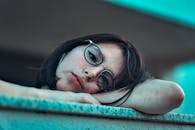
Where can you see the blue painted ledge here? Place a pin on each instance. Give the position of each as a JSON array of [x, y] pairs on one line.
[[28, 113]]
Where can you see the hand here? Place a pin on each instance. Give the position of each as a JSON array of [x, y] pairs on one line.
[[85, 98], [108, 97]]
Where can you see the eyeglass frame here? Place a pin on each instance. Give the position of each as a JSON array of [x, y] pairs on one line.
[[105, 70]]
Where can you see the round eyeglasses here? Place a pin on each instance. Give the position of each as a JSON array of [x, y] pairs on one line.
[[94, 56]]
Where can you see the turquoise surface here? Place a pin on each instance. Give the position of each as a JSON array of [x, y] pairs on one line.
[[18, 113], [185, 75], [179, 11]]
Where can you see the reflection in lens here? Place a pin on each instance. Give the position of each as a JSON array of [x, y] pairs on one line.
[[93, 55], [105, 80]]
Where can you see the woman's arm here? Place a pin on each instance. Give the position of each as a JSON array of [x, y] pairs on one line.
[[153, 96], [15, 90]]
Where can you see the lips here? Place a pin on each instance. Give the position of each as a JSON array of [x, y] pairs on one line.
[[79, 80]]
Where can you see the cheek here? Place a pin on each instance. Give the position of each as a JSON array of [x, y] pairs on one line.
[[73, 61], [77, 60]]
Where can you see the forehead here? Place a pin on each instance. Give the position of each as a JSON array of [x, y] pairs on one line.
[[113, 57]]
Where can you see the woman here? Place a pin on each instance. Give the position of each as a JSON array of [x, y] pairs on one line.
[[102, 69]]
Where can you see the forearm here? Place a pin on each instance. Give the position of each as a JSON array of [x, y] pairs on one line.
[[7, 88], [153, 96], [11, 89]]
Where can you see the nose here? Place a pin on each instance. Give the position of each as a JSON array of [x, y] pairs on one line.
[[92, 72]]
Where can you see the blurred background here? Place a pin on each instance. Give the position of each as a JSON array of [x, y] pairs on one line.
[[163, 31]]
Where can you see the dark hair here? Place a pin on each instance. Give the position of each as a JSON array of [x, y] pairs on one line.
[[132, 74]]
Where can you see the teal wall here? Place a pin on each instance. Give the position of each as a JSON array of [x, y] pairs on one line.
[[185, 75], [179, 11]]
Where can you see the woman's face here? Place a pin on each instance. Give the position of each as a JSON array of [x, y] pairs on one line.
[[81, 67]]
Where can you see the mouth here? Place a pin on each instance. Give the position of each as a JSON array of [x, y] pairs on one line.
[[79, 79]]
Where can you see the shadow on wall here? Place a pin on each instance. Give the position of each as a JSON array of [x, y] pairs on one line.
[[185, 76]]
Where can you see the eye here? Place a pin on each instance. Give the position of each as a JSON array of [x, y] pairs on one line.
[[105, 81], [92, 57]]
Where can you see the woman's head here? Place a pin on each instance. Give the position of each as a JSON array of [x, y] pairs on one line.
[[100, 62], [93, 65]]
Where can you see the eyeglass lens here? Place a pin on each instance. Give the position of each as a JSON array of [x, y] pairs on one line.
[[94, 56], [105, 80]]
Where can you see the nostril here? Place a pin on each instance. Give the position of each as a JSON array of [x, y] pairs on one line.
[[85, 71], [89, 74], [88, 79]]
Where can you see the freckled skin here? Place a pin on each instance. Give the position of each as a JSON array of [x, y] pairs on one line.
[[75, 62]]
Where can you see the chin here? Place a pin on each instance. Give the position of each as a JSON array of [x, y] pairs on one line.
[[62, 87]]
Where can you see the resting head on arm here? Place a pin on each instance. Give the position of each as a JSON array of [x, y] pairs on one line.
[[100, 62]]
